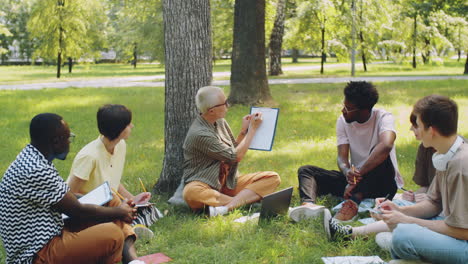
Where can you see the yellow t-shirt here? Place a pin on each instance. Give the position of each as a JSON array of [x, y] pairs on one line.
[[95, 165]]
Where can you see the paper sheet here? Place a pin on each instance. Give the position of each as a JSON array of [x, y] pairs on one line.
[[353, 260], [263, 139]]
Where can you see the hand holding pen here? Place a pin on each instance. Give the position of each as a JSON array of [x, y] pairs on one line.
[[378, 205], [407, 195], [353, 175]]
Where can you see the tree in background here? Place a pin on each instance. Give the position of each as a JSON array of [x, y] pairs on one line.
[[67, 29], [136, 23], [312, 27], [187, 34], [249, 84], [222, 21], [276, 39], [373, 18], [5, 32], [15, 17]]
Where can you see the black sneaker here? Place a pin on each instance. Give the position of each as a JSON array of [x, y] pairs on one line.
[[334, 228]]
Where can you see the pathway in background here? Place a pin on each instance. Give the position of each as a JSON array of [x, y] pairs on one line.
[[147, 81]]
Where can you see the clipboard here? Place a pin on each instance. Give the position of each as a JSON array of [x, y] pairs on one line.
[[265, 134], [99, 196]]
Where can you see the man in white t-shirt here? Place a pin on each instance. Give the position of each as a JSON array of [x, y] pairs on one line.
[[366, 157]]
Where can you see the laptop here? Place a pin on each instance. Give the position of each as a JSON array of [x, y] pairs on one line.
[[276, 203]]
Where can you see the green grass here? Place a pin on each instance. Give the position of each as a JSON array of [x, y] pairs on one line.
[[449, 68], [305, 135], [35, 74]]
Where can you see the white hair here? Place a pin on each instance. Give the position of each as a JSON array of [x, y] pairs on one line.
[[207, 97]]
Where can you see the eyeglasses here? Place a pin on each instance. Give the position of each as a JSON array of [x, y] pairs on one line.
[[349, 111], [218, 105], [71, 138]]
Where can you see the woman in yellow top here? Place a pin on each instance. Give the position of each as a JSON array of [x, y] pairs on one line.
[[103, 160]]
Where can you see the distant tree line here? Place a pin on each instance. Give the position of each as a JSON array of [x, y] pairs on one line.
[[61, 31]]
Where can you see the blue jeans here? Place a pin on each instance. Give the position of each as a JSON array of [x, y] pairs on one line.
[[414, 242]]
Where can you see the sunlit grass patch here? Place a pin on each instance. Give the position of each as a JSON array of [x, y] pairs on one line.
[[305, 135]]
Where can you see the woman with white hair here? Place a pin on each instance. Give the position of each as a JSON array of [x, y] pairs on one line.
[[212, 154]]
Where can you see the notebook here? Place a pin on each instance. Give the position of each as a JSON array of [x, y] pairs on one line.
[[276, 203], [99, 196]]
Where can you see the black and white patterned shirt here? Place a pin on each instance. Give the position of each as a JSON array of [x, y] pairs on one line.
[[30, 186]]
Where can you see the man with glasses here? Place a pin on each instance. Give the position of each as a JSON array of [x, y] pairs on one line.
[[212, 154], [366, 158], [33, 197]]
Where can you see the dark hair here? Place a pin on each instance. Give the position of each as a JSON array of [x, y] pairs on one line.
[[43, 128], [412, 119], [112, 119], [363, 94], [438, 111]]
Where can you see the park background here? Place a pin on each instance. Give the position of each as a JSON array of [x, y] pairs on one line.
[[380, 34]]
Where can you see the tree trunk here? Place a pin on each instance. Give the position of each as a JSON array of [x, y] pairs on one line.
[[415, 39], [59, 55], [70, 64], [276, 39], [322, 61], [134, 55], [353, 38], [459, 55], [426, 57], [466, 64], [363, 52], [249, 84], [295, 55], [59, 64], [188, 56]]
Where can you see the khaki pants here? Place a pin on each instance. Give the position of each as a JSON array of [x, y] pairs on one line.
[[198, 194], [87, 242]]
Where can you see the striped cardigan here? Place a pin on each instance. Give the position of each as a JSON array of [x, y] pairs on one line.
[[206, 147]]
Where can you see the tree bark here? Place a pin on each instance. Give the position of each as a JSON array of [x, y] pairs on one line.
[[276, 39], [249, 84], [295, 55], [70, 64], [188, 56]]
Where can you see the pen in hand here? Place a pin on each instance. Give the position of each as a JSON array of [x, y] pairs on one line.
[[142, 185], [352, 170], [386, 198]]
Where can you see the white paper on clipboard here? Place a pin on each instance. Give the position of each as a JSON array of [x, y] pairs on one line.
[[265, 134]]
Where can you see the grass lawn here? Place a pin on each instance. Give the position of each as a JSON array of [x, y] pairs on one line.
[[305, 135], [35, 74]]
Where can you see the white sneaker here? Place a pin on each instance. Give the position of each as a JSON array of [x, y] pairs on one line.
[[302, 212], [384, 240], [326, 223], [404, 261], [218, 210], [142, 232], [136, 261]]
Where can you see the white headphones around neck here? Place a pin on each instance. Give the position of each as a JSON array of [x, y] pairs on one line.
[[440, 160]]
